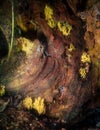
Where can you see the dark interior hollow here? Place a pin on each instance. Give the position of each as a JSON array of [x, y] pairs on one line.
[[3, 45]]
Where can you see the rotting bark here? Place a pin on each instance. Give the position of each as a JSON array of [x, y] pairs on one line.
[[46, 68]]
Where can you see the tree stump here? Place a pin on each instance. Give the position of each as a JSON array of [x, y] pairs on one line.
[[53, 60]]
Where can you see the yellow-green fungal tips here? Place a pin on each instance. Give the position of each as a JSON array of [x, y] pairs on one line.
[[71, 48], [39, 105], [65, 28], [48, 11], [85, 61], [85, 58], [2, 90], [27, 102], [51, 23], [82, 72]]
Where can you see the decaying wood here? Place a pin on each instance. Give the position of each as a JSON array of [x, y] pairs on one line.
[[44, 67]]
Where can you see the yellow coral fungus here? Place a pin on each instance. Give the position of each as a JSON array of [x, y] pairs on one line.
[[39, 105], [48, 16], [2, 90], [65, 28], [71, 47], [51, 23], [85, 58], [26, 45], [48, 12], [82, 72], [27, 102]]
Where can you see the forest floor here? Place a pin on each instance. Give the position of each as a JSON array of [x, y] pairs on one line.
[[14, 117]]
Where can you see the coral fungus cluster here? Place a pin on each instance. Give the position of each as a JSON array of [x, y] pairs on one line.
[[48, 16], [37, 105], [85, 61], [85, 58], [63, 27]]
